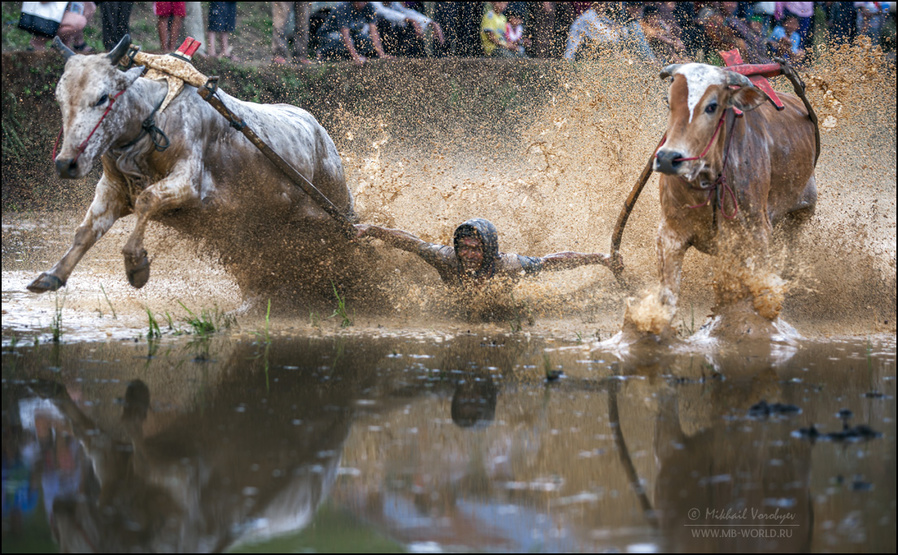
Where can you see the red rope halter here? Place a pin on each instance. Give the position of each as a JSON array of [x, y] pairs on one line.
[[721, 179], [83, 144]]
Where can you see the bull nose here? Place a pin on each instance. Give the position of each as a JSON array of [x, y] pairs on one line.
[[66, 167], [667, 161]]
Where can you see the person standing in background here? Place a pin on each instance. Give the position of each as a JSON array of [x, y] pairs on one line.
[[280, 11], [116, 17], [71, 28], [804, 14], [222, 20], [170, 19]]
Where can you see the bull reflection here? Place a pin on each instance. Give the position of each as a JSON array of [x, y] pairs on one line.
[[725, 478], [247, 463]]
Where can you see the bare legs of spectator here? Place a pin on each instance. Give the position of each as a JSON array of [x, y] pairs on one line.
[[225, 47], [280, 11], [169, 29], [38, 44], [71, 29]]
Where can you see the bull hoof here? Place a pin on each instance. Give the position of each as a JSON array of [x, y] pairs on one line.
[[45, 282], [138, 269]]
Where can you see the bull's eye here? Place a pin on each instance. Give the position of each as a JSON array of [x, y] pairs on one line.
[[711, 108], [102, 100]]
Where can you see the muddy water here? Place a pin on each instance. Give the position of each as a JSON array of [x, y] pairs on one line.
[[449, 441], [416, 429]]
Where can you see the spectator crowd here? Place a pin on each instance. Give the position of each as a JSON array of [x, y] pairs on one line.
[[661, 32]]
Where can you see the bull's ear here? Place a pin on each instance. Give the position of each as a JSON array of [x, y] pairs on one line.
[[747, 98], [669, 71]]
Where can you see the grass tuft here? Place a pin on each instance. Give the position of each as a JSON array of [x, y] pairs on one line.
[[56, 323], [690, 329], [208, 321], [341, 309], [264, 335], [112, 308], [153, 332]]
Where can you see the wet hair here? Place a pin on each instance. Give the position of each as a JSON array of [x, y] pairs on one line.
[[489, 238]]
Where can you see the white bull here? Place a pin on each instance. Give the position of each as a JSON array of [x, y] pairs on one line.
[[207, 167]]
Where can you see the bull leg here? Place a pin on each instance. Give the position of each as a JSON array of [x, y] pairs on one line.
[[171, 192], [107, 207], [672, 248], [744, 269], [807, 202]]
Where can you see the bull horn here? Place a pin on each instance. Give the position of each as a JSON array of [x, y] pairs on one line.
[[738, 80], [59, 45], [669, 70], [117, 53]]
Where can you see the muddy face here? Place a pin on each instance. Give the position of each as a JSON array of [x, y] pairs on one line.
[[470, 254], [89, 86]]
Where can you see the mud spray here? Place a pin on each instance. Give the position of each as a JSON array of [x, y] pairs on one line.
[[556, 179], [549, 158]]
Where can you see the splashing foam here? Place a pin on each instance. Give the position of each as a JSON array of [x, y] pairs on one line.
[[734, 283], [649, 314], [553, 170]]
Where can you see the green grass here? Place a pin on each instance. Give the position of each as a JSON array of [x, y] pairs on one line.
[[207, 322], [153, 332], [112, 308], [56, 323], [264, 335], [341, 311]]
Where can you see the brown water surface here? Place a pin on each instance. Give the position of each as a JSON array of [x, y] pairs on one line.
[[452, 441]]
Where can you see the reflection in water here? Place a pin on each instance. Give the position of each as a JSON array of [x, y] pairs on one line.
[[246, 463], [456, 444]]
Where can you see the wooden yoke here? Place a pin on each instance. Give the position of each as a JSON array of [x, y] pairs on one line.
[[756, 73]]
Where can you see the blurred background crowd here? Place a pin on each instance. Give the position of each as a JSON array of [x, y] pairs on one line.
[[662, 32]]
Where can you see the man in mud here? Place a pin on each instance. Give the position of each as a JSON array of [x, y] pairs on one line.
[[474, 258]]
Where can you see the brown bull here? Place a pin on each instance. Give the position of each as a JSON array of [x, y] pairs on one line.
[[726, 180]]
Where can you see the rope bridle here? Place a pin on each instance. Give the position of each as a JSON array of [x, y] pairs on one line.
[[148, 126], [714, 189]]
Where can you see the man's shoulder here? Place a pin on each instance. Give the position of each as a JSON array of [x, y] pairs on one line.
[[518, 263]]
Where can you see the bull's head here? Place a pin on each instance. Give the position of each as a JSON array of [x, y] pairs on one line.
[[84, 92], [698, 96]]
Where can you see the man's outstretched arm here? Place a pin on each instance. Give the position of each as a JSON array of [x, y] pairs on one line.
[[396, 238], [437, 256], [568, 260]]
